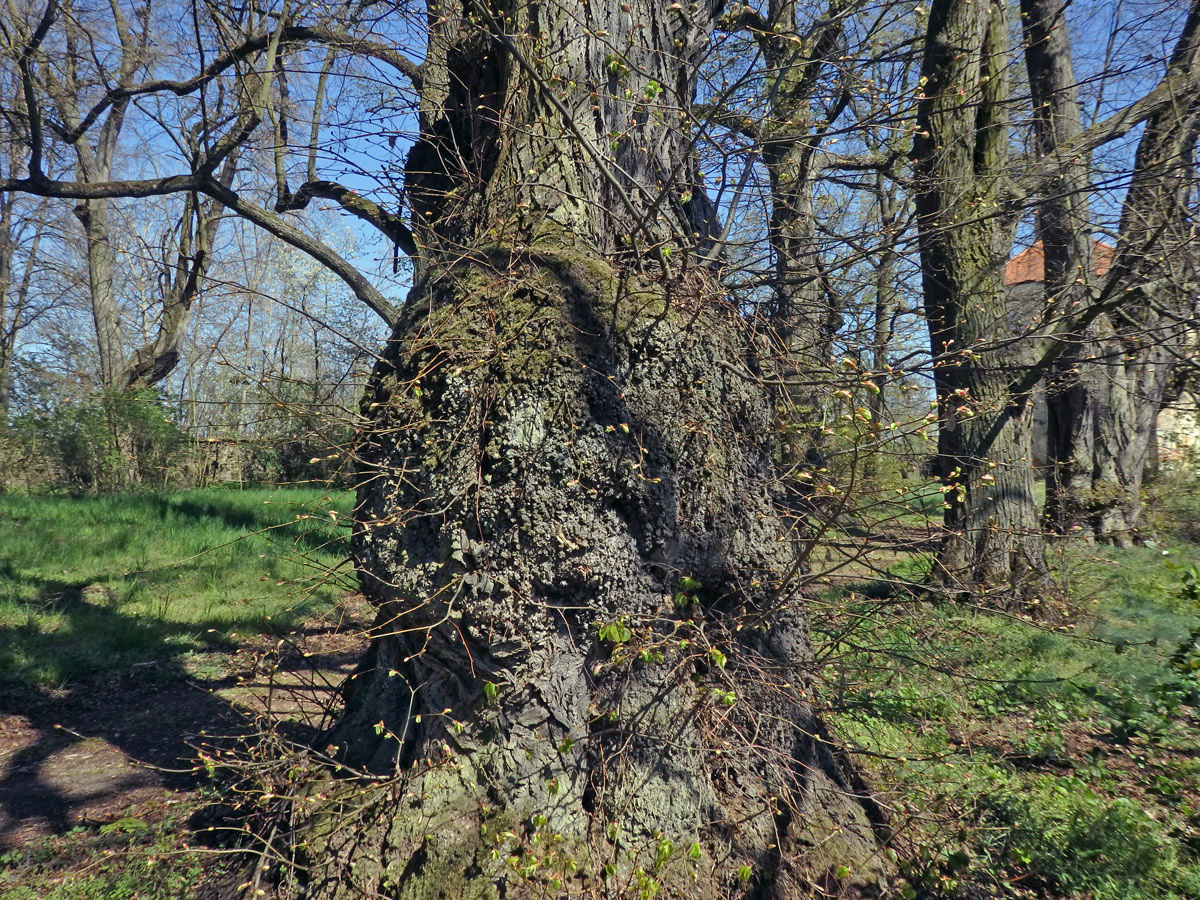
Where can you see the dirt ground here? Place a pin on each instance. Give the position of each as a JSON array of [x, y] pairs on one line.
[[115, 744], [92, 751]]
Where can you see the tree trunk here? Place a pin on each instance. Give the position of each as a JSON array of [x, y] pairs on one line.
[[1103, 414], [589, 670], [803, 318], [887, 303], [181, 284], [1155, 269], [14, 298], [1107, 387], [106, 315], [8, 317], [991, 548], [1064, 227]]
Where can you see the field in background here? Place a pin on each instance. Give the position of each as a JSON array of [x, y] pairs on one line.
[[106, 583]]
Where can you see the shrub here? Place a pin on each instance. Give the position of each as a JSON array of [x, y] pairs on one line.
[[110, 442]]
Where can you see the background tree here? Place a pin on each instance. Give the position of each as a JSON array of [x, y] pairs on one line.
[[968, 205], [1108, 384], [77, 64], [984, 439]]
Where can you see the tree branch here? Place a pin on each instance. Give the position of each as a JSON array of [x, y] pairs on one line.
[[41, 186], [290, 35], [318, 250], [357, 205], [24, 63], [1180, 84]]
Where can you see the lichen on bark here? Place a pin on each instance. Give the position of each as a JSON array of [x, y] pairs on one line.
[[588, 675]]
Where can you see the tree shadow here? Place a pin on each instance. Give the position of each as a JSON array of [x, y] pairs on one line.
[[65, 751], [302, 533]]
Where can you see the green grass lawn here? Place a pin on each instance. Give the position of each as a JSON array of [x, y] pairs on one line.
[[94, 584], [1027, 760], [1017, 759]]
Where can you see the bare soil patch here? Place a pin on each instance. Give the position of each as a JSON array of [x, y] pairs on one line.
[[88, 753]]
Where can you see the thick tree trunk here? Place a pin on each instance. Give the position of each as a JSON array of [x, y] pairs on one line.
[[1103, 413], [589, 669], [1155, 270], [992, 548]]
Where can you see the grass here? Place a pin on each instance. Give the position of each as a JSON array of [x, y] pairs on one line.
[[1022, 760], [130, 859], [1017, 759], [102, 584]]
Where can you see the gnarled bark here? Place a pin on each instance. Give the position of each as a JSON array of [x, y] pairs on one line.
[[586, 657], [588, 673]]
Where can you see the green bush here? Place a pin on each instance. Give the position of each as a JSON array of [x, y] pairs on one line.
[[110, 442], [1173, 506], [1063, 833]]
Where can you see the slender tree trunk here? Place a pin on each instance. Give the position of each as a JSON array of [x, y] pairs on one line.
[[181, 285], [1074, 386], [8, 324], [887, 302], [14, 301], [567, 511], [93, 215], [992, 548], [803, 317]]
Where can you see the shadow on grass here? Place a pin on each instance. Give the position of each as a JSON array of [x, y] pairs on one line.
[[86, 750], [311, 534], [150, 712]]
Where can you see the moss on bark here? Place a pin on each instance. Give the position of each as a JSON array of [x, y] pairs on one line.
[[589, 673]]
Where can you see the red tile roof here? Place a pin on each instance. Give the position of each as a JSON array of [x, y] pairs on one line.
[[1030, 265]]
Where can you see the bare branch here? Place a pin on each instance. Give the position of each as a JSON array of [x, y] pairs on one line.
[[289, 35], [84, 190], [25, 64], [356, 204], [318, 250]]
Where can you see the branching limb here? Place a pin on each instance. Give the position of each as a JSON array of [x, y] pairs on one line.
[[293, 34], [357, 205], [33, 111], [288, 233]]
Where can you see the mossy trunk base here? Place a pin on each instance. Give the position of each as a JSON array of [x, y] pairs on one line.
[[590, 675]]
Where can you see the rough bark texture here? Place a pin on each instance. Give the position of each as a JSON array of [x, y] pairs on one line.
[[1107, 387], [1156, 271], [992, 548], [560, 458], [588, 672], [1064, 227], [1103, 417]]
